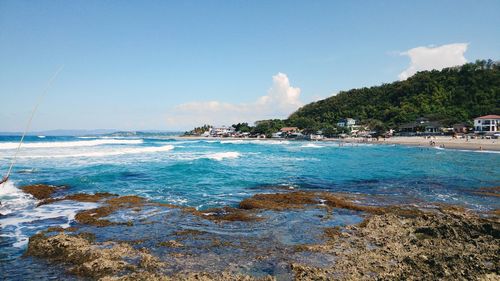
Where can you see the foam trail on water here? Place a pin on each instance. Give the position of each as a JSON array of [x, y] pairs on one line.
[[20, 210], [114, 152], [312, 145], [13, 199], [13, 145], [263, 142], [219, 156]]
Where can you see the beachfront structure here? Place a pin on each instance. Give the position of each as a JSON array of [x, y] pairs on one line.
[[346, 122], [289, 130], [286, 132], [315, 137], [421, 125], [222, 131], [460, 128], [433, 127], [487, 124], [277, 135]]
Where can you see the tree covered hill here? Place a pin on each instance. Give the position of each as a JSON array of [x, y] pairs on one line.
[[450, 96]]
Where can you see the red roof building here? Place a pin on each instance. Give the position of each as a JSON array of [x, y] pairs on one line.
[[487, 124], [491, 116]]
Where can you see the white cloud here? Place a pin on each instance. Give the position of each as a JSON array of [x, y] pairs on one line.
[[428, 58], [280, 101]]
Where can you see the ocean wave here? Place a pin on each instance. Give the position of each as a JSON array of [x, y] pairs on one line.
[[13, 199], [219, 156], [62, 144], [233, 142], [467, 150], [263, 142], [20, 211], [312, 145], [115, 152]]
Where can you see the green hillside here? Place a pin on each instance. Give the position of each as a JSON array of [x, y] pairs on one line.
[[450, 96]]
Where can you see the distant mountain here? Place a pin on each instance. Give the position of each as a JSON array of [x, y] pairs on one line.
[[97, 132], [149, 133], [449, 96]]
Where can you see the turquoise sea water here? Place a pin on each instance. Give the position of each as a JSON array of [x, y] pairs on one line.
[[212, 173]]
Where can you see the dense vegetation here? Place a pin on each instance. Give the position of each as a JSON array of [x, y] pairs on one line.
[[199, 130], [450, 96]]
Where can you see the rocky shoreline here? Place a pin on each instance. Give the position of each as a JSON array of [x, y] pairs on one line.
[[390, 243]]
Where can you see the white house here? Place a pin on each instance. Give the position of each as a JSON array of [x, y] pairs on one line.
[[277, 135], [487, 123], [346, 122], [222, 131], [315, 137]]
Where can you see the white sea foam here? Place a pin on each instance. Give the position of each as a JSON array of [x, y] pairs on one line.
[[219, 156], [13, 145], [263, 142], [233, 141], [13, 199], [42, 137], [112, 152], [467, 150], [312, 145], [19, 211]]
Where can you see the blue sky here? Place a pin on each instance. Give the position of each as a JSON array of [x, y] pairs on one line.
[[174, 64]]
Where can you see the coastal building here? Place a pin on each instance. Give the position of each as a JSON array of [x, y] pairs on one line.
[[289, 130], [298, 136], [346, 122], [277, 135], [222, 131], [487, 124], [460, 128], [315, 137], [421, 126], [433, 127]]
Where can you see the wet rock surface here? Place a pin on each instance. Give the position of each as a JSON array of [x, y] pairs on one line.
[[91, 259], [446, 245], [280, 236], [40, 191], [488, 191]]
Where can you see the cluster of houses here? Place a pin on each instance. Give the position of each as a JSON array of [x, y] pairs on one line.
[[284, 133], [488, 125]]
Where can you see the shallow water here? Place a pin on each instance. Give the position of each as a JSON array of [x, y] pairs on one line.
[[210, 173]]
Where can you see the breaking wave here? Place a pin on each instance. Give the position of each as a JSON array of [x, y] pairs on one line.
[[312, 145], [13, 145], [13, 199], [115, 152], [219, 156], [20, 210], [264, 142]]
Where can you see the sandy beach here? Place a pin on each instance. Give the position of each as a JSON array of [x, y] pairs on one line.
[[446, 142]]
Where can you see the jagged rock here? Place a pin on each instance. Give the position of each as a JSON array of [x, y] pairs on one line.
[[91, 260]]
